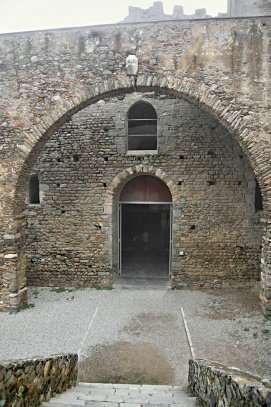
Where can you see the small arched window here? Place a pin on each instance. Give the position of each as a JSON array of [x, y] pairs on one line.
[[34, 190], [142, 127]]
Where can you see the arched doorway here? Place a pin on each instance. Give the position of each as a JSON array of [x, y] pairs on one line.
[[145, 236]]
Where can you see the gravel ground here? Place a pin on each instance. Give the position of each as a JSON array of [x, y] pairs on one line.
[[138, 336]]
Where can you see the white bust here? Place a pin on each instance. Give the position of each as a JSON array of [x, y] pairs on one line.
[[132, 64]]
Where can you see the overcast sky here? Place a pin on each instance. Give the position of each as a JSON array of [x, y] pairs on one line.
[[24, 15]]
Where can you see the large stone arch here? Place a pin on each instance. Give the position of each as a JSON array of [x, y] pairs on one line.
[[236, 119], [233, 116]]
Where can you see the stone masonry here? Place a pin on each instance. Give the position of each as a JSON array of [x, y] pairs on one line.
[[58, 84], [216, 385], [156, 13], [29, 382], [214, 217], [244, 8]]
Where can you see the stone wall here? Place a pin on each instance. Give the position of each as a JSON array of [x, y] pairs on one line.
[[218, 386], [213, 186], [156, 13], [245, 8], [221, 66], [27, 383]]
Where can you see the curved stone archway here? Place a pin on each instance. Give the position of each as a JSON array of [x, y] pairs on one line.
[[34, 110], [243, 129], [236, 127], [116, 183]]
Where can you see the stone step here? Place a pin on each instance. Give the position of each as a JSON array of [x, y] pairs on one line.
[[122, 395]]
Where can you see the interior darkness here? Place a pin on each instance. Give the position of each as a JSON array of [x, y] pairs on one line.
[[34, 190], [149, 258], [142, 110], [258, 198]]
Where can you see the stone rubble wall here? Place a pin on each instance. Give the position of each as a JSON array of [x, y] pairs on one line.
[[220, 65], [218, 386], [214, 217], [32, 381]]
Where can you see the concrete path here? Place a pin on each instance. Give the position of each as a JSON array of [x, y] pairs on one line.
[[122, 336], [142, 283], [122, 395], [138, 336]]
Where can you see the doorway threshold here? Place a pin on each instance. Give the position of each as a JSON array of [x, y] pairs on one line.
[[142, 283]]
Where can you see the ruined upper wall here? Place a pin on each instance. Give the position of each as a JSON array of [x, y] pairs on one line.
[[156, 13], [235, 8], [248, 8]]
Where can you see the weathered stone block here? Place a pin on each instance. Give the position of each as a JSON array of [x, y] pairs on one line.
[[218, 385]]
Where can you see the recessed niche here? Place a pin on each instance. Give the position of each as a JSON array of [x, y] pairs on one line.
[[211, 182], [241, 156], [63, 211], [104, 184], [34, 190], [258, 198], [210, 152], [180, 182], [76, 158], [240, 183], [192, 227], [181, 157], [105, 158]]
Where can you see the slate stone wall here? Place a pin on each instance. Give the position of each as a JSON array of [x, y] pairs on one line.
[[29, 382], [216, 385], [71, 237]]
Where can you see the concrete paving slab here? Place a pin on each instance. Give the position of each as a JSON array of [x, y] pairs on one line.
[[142, 283], [101, 404], [126, 330], [53, 404]]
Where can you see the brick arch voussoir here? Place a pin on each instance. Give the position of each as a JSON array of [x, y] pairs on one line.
[[229, 113], [236, 118], [35, 140], [197, 93], [115, 187]]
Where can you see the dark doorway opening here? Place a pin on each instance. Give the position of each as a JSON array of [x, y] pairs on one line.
[[145, 240]]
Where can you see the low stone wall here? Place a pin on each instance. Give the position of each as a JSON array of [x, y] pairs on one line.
[[29, 382], [218, 386]]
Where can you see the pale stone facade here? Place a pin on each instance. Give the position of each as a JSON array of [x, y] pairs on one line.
[[156, 13], [246, 8]]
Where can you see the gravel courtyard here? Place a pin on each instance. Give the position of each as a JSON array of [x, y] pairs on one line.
[[138, 336]]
